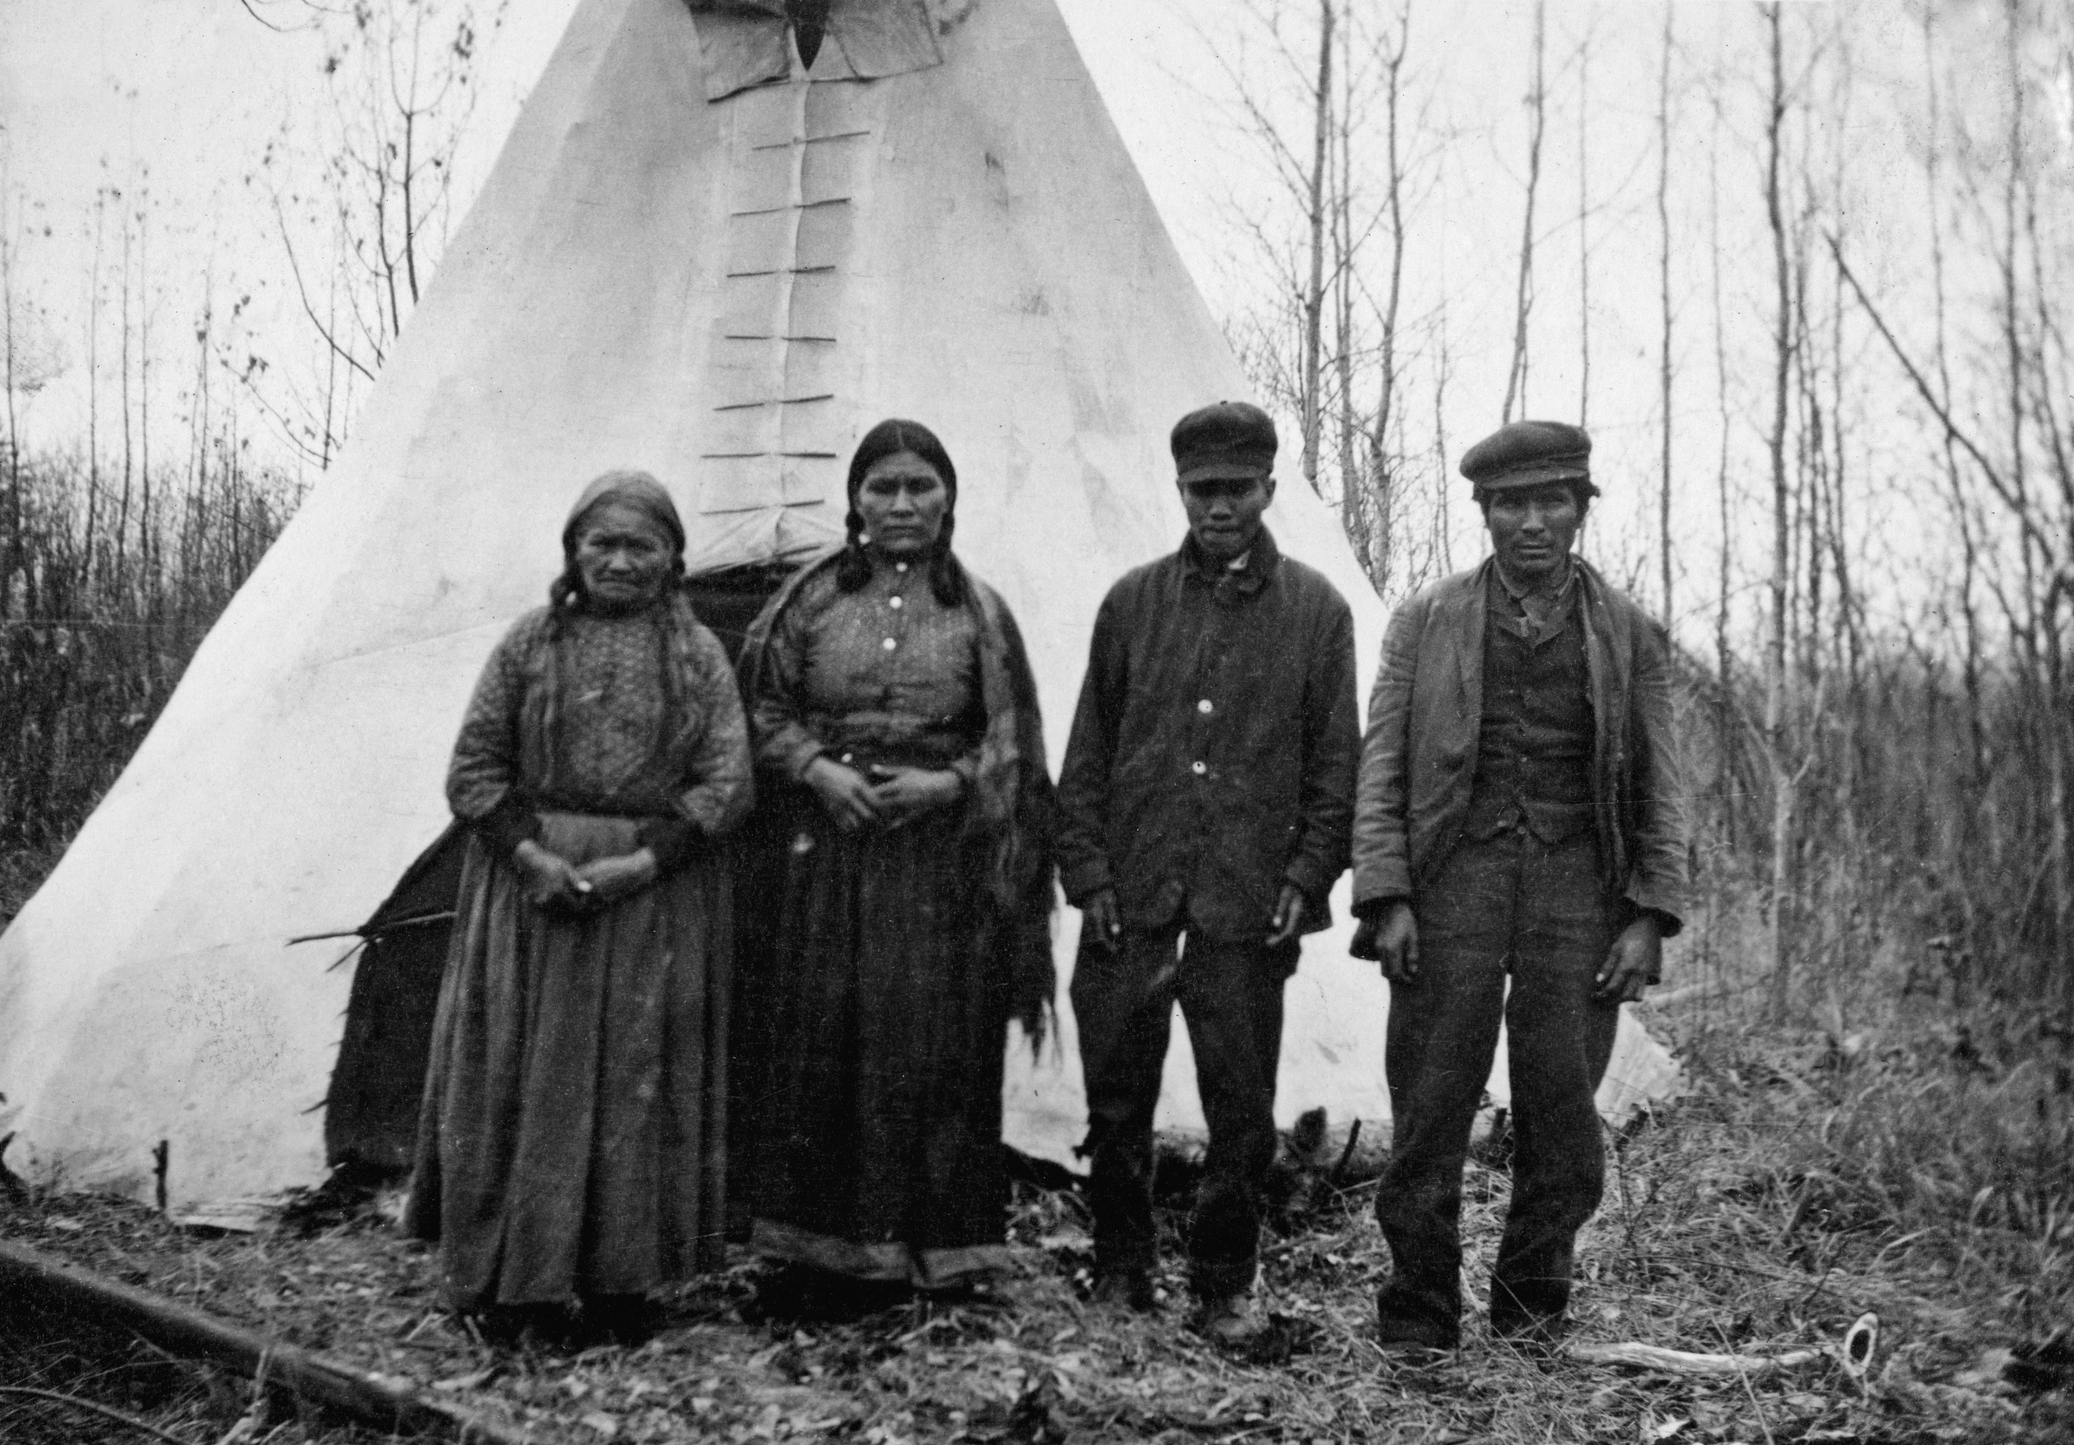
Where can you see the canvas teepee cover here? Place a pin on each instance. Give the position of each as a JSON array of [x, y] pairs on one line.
[[692, 259]]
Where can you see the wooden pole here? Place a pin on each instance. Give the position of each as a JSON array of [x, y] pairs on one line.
[[298, 1374]]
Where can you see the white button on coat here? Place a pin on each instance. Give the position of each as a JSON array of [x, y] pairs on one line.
[[1199, 768], [1204, 706], [889, 644]]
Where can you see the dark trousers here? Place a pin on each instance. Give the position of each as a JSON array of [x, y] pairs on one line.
[[1509, 905], [1231, 999]]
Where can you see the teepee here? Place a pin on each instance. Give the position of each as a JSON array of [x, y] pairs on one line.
[[720, 243]]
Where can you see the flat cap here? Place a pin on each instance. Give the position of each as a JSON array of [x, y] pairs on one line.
[[1231, 440], [1530, 454]]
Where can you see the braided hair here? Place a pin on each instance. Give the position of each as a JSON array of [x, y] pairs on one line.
[[889, 437]]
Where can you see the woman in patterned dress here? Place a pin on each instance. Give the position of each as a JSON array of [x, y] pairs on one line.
[[571, 1148], [895, 718]]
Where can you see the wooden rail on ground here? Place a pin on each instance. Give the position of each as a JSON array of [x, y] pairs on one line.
[[293, 1373]]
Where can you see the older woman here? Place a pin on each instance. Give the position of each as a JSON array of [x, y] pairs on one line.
[[570, 1154], [894, 712]]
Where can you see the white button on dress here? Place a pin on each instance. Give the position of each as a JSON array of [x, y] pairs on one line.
[[889, 644], [1204, 706], [893, 602], [1198, 768]]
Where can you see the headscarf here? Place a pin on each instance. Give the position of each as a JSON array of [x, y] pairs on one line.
[[628, 487], [678, 661]]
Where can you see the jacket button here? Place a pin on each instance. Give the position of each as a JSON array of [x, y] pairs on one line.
[[1205, 706], [1198, 768]]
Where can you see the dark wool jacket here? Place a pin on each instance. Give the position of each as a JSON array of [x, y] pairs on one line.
[[1213, 752], [1418, 762]]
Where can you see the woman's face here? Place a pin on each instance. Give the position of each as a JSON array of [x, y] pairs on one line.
[[902, 500], [625, 560]]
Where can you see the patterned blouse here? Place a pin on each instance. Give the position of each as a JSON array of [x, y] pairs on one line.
[[581, 725], [884, 674]]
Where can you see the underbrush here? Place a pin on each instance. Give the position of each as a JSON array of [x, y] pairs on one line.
[[1794, 1188], [1941, 1153]]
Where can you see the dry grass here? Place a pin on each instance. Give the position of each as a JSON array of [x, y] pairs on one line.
[[1787, 1194]]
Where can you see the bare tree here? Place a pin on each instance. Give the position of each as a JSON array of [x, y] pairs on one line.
[[361, 243], [1663, 277], [1778, 682], [1393, 47], [1523, 303], [1314, 293]]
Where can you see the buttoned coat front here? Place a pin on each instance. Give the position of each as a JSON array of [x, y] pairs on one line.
[[1418, 762], [1213, 752]]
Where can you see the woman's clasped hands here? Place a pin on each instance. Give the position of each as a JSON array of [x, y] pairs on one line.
[[880, 794], [553, 883]]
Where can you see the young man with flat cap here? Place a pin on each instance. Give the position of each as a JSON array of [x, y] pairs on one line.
[[1520, 819], [1205, 801]]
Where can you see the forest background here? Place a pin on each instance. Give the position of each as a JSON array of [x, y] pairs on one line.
[[1802, 269]]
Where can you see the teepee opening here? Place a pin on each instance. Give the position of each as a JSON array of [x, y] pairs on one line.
[[371, 1108], [809, 25]]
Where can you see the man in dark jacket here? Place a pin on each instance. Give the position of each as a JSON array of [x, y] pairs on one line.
[[1520, 818], [1206, 797]]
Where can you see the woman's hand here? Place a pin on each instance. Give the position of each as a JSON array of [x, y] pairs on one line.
[[903, 793], [550, 882], [612, 879], [849, 799]]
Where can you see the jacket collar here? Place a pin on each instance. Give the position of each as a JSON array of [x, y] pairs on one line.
[[1261, 561]]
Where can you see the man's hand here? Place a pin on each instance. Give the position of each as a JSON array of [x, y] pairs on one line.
[[549, 880], [901, 793], [1390, 937], [1101, 920], [1288, 920], [843, 792], [1635, 958], [612, 879]]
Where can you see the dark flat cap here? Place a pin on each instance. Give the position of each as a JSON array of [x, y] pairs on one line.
[[1231, 440], [1529, 454]]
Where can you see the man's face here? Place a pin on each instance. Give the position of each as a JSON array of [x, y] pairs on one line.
[[1532, 529], [1224, 513]]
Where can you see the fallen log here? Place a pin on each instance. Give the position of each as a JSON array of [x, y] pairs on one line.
[[296, 1374]]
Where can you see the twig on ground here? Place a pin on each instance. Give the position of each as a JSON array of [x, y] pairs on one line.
[[1687, 1362], [92, 1407]]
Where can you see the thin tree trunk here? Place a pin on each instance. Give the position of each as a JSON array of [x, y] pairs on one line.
[[1382, 473], [122, 515], [93, 404], [1725, 730], [1777, 679], [1584, 250], [1663, 229], [1314, 295], [14, 433], [1523, 301]]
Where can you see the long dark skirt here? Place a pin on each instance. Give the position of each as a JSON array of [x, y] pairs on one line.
[[882, 1029], [573, 1135]]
